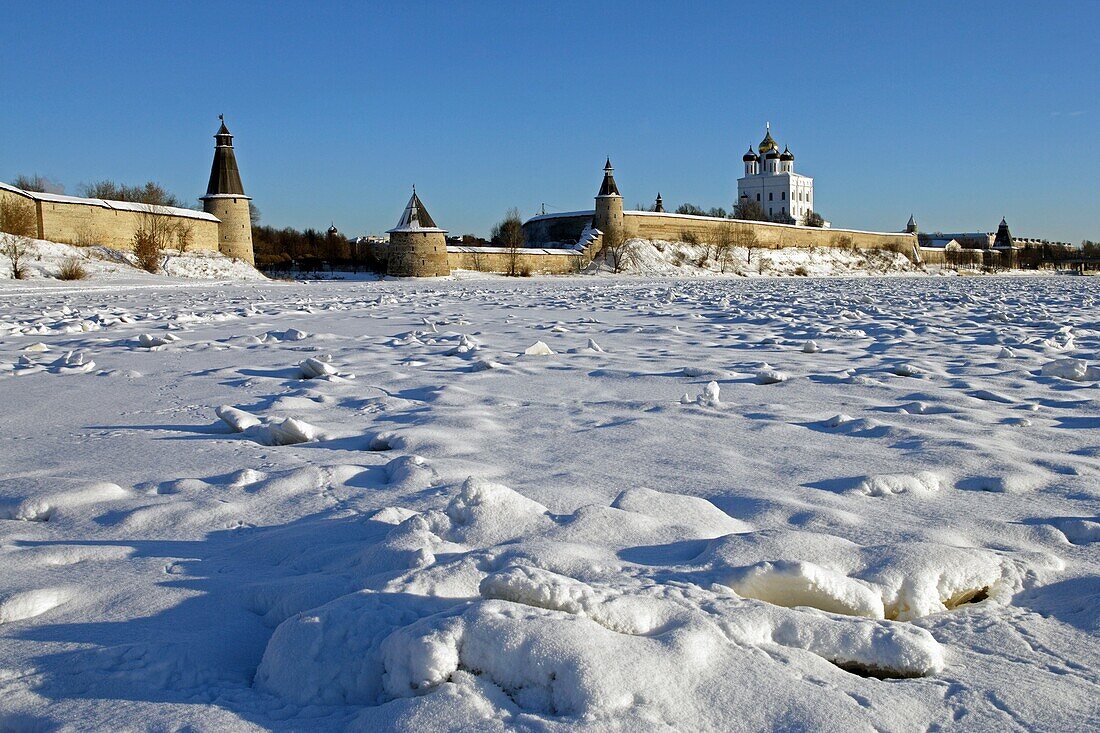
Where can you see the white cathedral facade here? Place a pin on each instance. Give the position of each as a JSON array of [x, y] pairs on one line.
[[770, 180]]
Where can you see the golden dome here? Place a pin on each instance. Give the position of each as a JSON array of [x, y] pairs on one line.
[[768, 144]]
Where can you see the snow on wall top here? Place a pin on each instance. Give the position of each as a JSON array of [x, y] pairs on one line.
[[55, 198]]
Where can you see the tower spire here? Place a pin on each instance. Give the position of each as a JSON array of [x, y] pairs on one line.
[[225, 177]]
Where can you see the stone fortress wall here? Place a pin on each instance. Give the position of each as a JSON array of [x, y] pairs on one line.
[[80, 221]]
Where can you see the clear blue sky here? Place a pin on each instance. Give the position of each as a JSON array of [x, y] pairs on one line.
[[958, 112]]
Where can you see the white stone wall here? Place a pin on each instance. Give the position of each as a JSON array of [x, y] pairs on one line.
[[779, 193]]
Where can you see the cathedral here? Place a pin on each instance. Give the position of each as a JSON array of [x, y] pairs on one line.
[[770, 180]]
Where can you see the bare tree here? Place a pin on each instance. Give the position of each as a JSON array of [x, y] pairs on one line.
[[37, 184], [619, 252], [509, 234], [749, 210], [151, 193], [182, 234], [724, 242], [18, 223], [812, 219], [156, 232]]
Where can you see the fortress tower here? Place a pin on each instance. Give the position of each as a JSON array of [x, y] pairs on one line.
[[609, 207], [225, 199], [418, 248]]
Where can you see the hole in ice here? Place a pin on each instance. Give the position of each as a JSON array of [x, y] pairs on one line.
[[972, 595], [878, 673]]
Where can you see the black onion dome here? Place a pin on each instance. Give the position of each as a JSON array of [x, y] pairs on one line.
[[787, 154]]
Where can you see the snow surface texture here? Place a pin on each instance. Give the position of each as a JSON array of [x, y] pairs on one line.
[[551, 505]]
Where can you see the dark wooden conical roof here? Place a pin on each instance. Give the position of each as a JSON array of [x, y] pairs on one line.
[[415, 217], [225, 177], [609, 187]]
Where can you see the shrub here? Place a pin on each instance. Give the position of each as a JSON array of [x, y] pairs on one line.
[[801, 271], [689, 237], [525, 271], [72, 269], [17, 225]]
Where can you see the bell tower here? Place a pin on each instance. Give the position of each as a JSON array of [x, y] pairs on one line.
[[225, 199]]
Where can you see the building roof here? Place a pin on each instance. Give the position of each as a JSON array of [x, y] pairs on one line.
[[415, 218], [750, 157], [609, 187], [787, 154], [225, 178]]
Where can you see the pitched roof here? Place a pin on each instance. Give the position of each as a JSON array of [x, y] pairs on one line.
[[415, 218]]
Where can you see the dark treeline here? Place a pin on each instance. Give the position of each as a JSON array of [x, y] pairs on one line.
[[282, 250]]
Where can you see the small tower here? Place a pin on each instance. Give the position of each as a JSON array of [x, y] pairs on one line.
[[609, 207], [752, 162], [1003, 238], [911, 227], [225, 199], [659, 204], [786, 161], [418, 248]]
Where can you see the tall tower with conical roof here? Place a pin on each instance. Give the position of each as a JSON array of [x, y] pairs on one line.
[[225, 199], [608, 217], [418, 248], [1003, 238]]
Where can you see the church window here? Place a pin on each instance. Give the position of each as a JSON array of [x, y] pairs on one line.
[[783, 196], [757, 197], [771, 195]]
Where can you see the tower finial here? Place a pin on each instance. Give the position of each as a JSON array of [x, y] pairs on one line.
[[221, 118]]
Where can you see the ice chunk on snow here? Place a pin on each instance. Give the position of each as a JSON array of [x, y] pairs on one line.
[[290, 431], [922, 483], [538, 349], [268, 432], [153, 341], [806, 584], [810, 347], [314, 367], [1075, 370], [710, 397], [486, 513], [767, 375], [39, 346], [239, 420]]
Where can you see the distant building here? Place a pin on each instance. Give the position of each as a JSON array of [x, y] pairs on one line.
[[770, 180]]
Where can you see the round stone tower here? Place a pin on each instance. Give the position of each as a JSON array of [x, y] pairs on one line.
[[225, 199], [418, 248], [609, 207]]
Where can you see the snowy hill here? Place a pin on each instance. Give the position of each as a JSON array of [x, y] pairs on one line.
[[45, 259], [681, 259]]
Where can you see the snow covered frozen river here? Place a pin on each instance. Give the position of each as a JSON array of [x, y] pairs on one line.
[[799, 504]]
